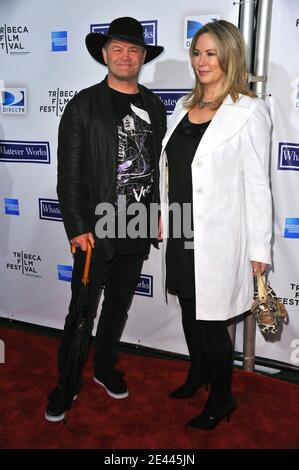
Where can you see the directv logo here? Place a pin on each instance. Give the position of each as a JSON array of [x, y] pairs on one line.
[[170, 97], [145, 286], [49, 209], [59, 41], [149, 30], [193, 24], [11, 206], [13, 100], [192, 27], [64, 272], [291, 229], [288, 156]]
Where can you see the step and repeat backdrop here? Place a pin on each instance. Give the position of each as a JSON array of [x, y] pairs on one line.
[[44, 63]]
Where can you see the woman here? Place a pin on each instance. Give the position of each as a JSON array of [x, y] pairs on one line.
[[215, 160]]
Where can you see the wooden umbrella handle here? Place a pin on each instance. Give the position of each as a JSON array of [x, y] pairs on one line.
[[85, 278]]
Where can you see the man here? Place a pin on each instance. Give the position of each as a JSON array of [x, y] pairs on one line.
[[108, 149]]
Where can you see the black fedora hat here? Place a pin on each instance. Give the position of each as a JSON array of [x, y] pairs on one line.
[[123, 29]]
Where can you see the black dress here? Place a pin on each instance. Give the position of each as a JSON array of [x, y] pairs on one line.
[[180, 150]]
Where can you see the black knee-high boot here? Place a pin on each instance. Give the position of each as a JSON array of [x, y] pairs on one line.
[[198, 371], [218, 350]]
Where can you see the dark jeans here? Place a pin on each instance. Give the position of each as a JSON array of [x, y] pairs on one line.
[[120, 276], [210, 350]]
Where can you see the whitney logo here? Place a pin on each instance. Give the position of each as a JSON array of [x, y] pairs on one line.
[[58, 99], [59, 41], [145, 286], [288, 156], [49, 209], [149, 30], [13, 39], [170, 97], [13, 100], [24, 152], [25, 263], [11, 206], [193, 24]]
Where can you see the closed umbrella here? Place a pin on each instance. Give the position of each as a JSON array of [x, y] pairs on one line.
[[78, 346]]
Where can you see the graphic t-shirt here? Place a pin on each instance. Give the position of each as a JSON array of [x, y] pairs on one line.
[[135, 171]]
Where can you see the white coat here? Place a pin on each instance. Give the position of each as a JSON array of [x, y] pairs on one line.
[[232, 211]]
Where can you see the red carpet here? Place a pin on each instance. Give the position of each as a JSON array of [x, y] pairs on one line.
[[267, 416]]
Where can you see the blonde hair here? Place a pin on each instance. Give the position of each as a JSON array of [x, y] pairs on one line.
[[231, 54]]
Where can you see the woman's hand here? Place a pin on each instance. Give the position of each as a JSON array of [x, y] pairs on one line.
[[81, 241], [257, 266]]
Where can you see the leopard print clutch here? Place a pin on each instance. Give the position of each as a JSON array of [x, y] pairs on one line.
[[267, 309]]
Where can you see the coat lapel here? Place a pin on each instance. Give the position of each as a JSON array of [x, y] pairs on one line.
[[228, 121]]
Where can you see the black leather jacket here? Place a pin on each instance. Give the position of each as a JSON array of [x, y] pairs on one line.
[[87, 150]]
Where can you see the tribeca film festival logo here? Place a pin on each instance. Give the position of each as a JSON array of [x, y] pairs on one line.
[[58, 99], [193, 24], [11, 206], [25, 263], [24, 152], [170, 97], [293, 298], [59, 41], [288, 156], [49, 209], [13, 100], [13, 39], [150, 28]]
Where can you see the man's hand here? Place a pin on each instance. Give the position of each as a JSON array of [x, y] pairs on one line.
[[257, 266], [81, 241]]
